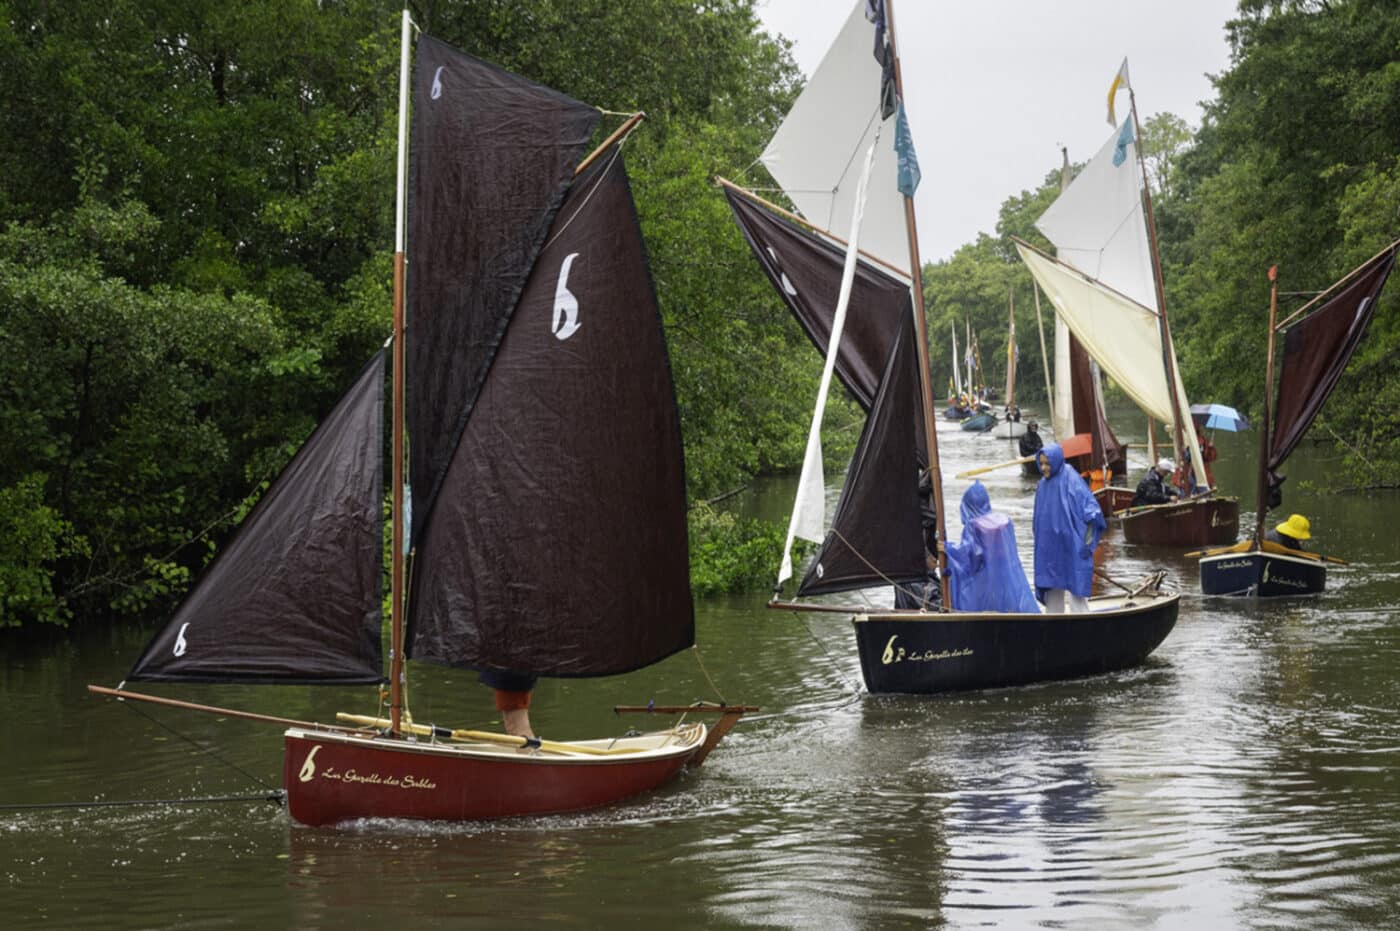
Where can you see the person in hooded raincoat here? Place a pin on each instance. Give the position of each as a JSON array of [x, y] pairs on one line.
[[1067, 523], [985, 572]]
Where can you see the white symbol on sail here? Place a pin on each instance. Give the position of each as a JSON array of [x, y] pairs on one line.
[[437, 82], [565, 304], [308, 768], [787, 285], [180, 645]]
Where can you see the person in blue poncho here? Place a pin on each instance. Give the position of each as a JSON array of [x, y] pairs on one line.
[[984, 570], [1067, 524]]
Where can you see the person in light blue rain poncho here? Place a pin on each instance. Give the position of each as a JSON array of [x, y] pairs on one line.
[[1067, 524], [984, 570]]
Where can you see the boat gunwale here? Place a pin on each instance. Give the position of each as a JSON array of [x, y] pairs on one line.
[[1129, 605], [484, 752]]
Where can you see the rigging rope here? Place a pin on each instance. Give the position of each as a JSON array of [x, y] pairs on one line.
[[192, 742]]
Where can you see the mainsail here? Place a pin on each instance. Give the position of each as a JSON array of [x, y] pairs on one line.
[[1103, 284], [816, 153], [295, 596], [806, 270], [491, 157], [557, 544]]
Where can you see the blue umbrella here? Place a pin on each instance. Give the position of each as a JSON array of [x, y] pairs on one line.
[[1218, 417]]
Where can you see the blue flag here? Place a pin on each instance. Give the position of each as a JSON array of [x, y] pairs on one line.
[[904, 148], [1125, 139]]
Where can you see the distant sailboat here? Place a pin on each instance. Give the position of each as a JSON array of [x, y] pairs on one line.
[[876, 536], [1011, 426], [1106, 286], [1319, 341], [548, 537]]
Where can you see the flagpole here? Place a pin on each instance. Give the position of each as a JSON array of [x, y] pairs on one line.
[[915, 270]]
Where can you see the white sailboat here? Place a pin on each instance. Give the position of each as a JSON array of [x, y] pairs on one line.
[[1106, 288]]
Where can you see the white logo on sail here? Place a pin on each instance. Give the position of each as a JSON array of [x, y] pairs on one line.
[[180, 645], [565, 304], [308, 768], [782, 275], [437, 82]]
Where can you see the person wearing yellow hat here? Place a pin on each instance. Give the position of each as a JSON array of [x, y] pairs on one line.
[[1291, 533]]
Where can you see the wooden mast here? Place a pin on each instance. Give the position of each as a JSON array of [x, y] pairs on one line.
[[1168, 356], [396, 576], [1263, 500], [916, 272]]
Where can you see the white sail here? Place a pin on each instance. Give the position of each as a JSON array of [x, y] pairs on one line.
[[1098, 225], [1122, 336], [815, 152], [808, 519]]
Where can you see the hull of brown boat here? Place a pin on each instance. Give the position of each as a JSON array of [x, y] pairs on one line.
[[332, 777], [924, 653], [1198, 522], [1113, 498]]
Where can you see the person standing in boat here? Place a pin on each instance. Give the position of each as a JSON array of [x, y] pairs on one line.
[[1153, 489], [1067, 523], [1030, 443], [984, 569], [513, 690], [928, 594], [1291, 533]]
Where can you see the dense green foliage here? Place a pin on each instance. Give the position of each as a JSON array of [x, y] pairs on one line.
[[196, 205]]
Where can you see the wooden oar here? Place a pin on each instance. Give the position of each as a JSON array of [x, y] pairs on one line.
[[1000, 465], [548, 746], [1322, 557]]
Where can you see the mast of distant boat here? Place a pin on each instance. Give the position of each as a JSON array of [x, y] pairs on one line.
[[1263, 505]]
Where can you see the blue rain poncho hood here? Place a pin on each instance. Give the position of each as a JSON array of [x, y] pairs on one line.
[[1067, 524], [985, 572]]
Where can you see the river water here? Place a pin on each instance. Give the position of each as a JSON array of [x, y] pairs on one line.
[[1244, 777]]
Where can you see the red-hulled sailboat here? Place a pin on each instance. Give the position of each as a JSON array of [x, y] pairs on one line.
[[548, 525]]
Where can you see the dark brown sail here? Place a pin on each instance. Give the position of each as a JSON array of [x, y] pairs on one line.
[[295, 596], [806, 272], [876, 534], [1316, 350], [1089, 415], [558, 543], [492, 155]]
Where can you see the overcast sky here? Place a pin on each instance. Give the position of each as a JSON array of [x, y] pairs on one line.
[[993, 88]]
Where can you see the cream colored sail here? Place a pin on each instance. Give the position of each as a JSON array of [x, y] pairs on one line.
[[816, 153], [1120, 334], [1099, 228]]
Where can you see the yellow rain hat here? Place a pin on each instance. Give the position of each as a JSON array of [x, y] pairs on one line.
[[1296, 526]]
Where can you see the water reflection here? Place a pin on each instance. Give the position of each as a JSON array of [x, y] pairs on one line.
[[1244, 777]]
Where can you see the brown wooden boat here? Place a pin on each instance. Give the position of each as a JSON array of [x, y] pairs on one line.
[[1211, 520]]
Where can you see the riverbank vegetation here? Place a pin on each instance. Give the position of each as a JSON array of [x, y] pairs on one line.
[[196, 225]]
